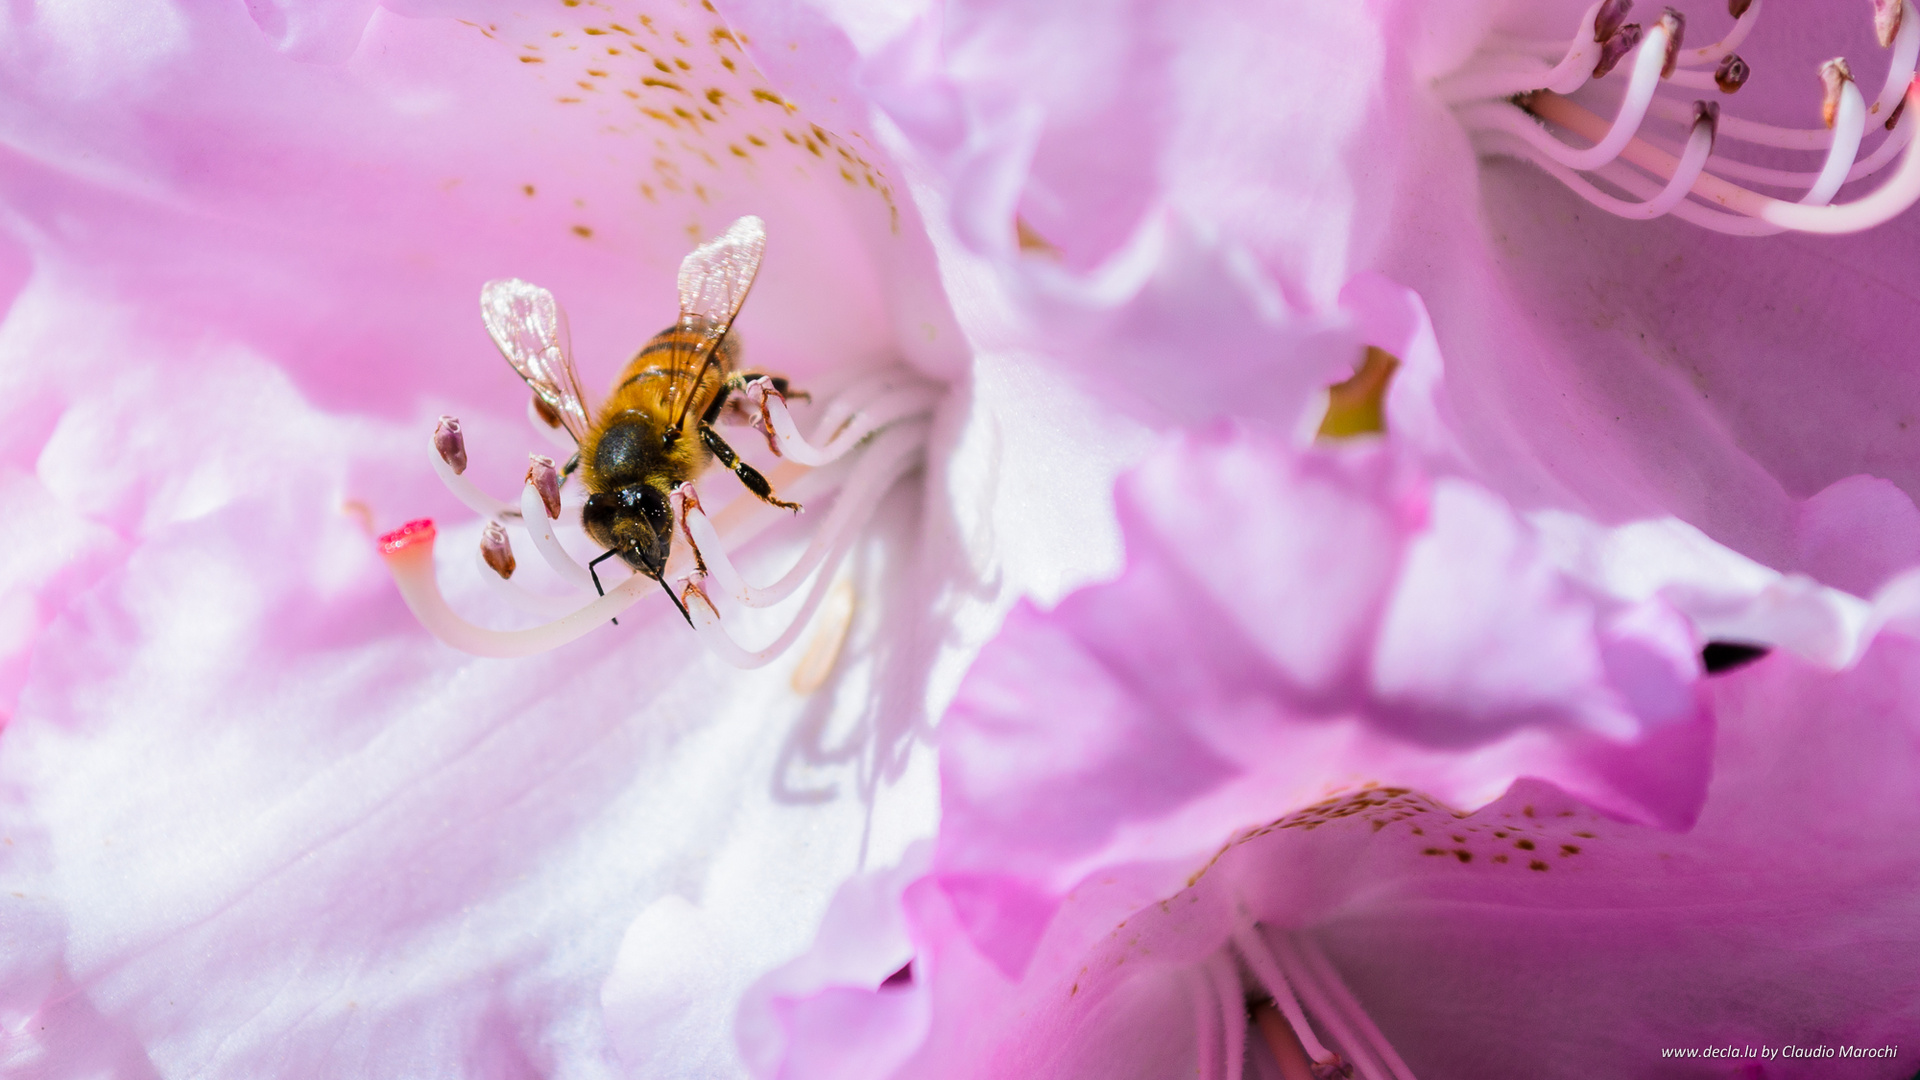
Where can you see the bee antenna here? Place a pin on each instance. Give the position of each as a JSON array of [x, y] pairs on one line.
[[660, 575]]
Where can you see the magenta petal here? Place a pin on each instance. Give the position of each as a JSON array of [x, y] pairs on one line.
[[1287, 623], [1785, 917], [1857, 533]]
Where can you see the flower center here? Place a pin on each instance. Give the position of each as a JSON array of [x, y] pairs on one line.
[[1662, 154], [865, 441]]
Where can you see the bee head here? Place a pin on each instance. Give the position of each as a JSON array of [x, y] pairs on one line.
[[635, 521]]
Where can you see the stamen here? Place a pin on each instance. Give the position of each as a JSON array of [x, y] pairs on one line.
[[1675, 25], [1905, 41], [1846, 114], [891, 456], [543, 478], [1319, 970], [1206, 1024], [495, 551], [1254, 950], [1616, 49], [408, 551], [1835, 75], [1604, 21], [769, 410], [1693, 170], [876, 416], [450, 444], [1337, 1022], [1232, 1001], [1633, 108], [462, 488], [1284, 1045], [1598, 27], [1745, 13], [1732, 73], [1886, 20], [1753, 214], [537, 517]]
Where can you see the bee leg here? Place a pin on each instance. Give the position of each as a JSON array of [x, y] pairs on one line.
[[748, 475], [603, 557], [572, 464]]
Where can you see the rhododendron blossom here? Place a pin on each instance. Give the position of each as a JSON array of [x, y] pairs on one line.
[[1332, 714], [257, 821], [1117, 169], [1147, 838]]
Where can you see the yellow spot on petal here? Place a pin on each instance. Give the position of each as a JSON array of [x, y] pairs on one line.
[[834, 620], [1357, 406], [1031, 241]]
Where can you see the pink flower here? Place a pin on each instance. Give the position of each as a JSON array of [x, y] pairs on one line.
[[257, 821], [1165, 800], [1117, 169]]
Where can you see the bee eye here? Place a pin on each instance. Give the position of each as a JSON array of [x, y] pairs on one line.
[[634, 520], [658, 512]]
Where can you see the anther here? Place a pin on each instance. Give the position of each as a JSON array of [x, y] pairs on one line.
[[1609, 18], [495, 549], [1732, 73], [451, 444], [1737, 8], [1834, 76], [1708, 113], [545, 479], [1676, 25], [1617, 46], [1886, 20]]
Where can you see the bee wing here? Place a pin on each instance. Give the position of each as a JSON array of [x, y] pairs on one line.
[[531, 330], [714, 279]]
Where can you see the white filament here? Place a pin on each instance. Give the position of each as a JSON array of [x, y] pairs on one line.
[[1711, 55], [878, 416], [466, 491], [1900, 69], [786, 440], [1649, 56], [829, 548], [1570, 74], [1314, 968], [1233, 1012], [533, 514], [1207, 1036], [533, 603], [1260, 959], [1849, 123], [890, 456], [1516, 127], [1881, 157], [1694, 185]]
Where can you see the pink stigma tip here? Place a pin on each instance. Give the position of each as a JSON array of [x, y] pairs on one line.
[[413, 532]]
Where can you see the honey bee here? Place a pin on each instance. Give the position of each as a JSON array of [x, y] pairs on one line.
[[638, 448]]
